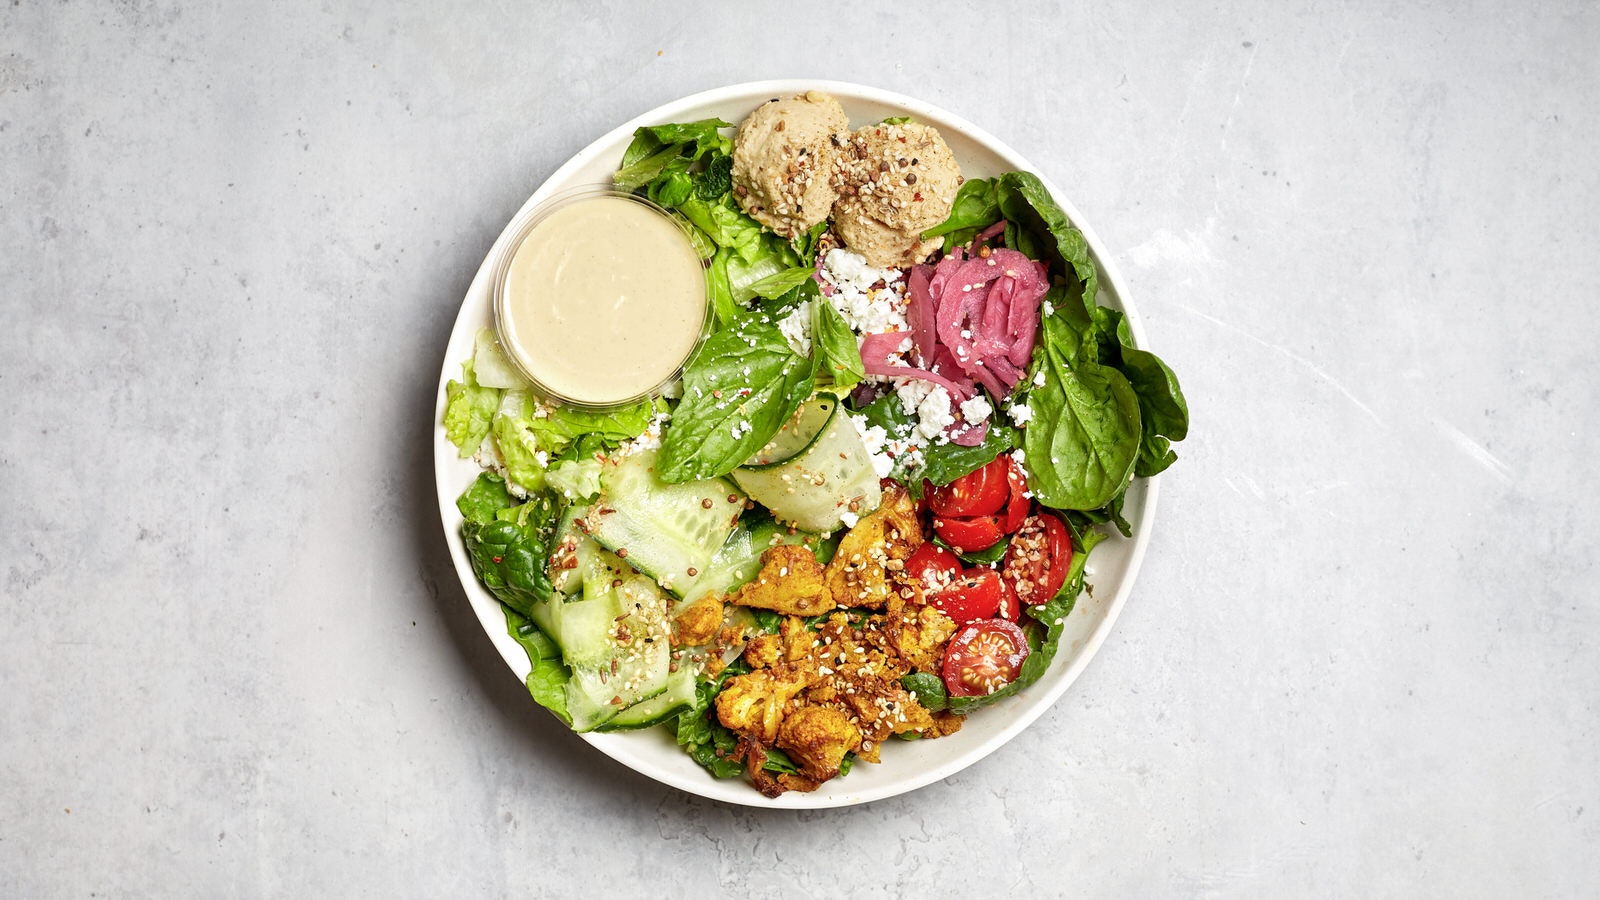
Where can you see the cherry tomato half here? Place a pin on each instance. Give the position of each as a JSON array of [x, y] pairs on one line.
[[1010, 606], [975, 595], [1036, 563], [932, 566], [969, 535], [981, 492], [983, 657], [1018, 505]]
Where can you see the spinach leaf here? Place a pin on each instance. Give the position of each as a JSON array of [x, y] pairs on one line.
[[941, 463], [486, 497], [987, 556], [944, 463], [547, 682], [976, 207], [928, 688], [834, 345], [508, 553], [703, 737], [738, 389], [1083, 439], [1039, 229], [1164, 413], [468, 411]]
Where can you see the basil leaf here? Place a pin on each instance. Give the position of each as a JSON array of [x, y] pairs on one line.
[[835, 346], [780, 283], [738, 389]]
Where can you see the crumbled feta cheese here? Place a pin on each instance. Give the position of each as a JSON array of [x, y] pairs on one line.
[[875, 439], [1049, 308], [849, 519], [1038, 378], [1020, 413], [976, 410], [934, 411], [649, 439], [796, 329], [930, 403], [864, 309]]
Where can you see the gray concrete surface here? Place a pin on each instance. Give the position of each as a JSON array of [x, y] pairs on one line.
[[1361, 659]]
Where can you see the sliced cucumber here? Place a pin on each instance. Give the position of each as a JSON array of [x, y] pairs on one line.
[[816, 488], [798, 433], [585, 705], [667, 531], [583, 628], [565, 575], [678, 696], [740, 557], [637, 664]]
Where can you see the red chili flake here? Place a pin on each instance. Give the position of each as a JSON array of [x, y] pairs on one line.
[[495, 558]]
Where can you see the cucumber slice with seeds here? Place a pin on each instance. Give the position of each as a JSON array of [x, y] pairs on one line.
[[667, 531], [822, 486]]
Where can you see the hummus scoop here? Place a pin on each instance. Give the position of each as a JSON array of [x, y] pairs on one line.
[[894, 182], [782, 156]]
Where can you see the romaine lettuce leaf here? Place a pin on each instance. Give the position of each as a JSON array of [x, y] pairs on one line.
[[468, 411]]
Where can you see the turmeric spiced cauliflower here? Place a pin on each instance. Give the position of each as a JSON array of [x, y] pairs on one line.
[[824, 687]]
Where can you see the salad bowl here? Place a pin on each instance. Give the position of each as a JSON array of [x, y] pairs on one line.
[[906, 765]]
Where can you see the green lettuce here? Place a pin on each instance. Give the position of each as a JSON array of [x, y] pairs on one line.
[[468, 411], [547, 680]]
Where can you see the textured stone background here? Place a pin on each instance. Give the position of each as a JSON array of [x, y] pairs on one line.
[[1362, 655]]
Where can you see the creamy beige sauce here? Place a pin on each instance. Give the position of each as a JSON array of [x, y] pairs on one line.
[[603, 300]]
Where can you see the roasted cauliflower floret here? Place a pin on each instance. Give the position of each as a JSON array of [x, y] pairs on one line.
[[918, 633], [754, 704], [790, 582], [698, 622], [860, 573], [817, 738], [763, 651]]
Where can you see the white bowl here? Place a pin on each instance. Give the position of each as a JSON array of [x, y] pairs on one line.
[[906, 765]]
